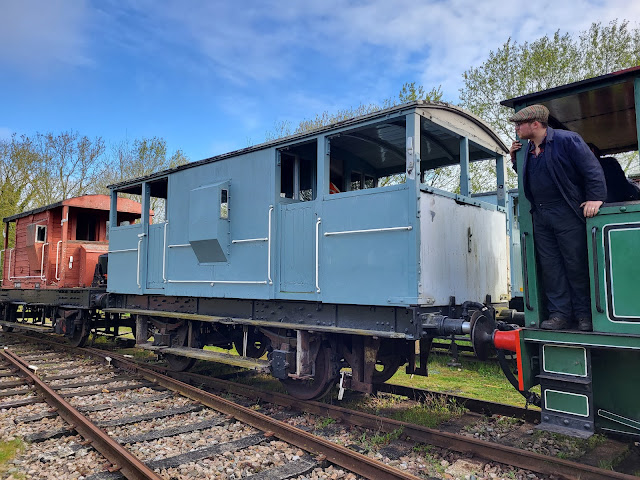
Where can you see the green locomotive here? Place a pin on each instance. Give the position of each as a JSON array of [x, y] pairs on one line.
[[589, 380]]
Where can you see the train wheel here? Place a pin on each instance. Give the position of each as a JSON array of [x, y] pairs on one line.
[[386, 367], [256, 344], [325, 375], [178, 363], [81, 331]]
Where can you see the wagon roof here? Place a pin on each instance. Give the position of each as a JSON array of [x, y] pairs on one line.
[[94, 202], [451, 115], [601, 109]]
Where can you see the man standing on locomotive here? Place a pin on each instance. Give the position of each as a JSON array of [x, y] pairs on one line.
[[564, 182]]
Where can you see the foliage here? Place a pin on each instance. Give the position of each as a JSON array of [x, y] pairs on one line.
[[46, 168], [409, 92], [518, 69]]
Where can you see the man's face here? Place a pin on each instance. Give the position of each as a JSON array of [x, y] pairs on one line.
[[524, 129]]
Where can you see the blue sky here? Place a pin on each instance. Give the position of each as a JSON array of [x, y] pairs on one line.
[[214, 76]]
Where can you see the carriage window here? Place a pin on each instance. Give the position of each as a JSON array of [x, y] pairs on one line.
[[298, 164], [126, 218], [224, 203], [41, 233], [369, 157], [158, 193], [86, 226]]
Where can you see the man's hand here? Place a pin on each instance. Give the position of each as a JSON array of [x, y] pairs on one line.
[[515, 146], [590, 208]]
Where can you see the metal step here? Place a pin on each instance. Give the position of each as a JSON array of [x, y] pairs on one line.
[[227, 358]]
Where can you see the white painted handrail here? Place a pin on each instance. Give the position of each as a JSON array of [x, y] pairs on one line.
[[318, 222], [140, 237], [58, 259], [247, 240], [371, 230], [125, 250], [269, 248], [42, 276], [22, 277], [213, 282], [180, 245], [164, 254]]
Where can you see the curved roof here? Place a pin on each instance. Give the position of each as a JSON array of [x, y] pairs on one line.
[[93, 202], [446, 116]]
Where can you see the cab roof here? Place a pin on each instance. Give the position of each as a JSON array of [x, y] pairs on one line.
[[601, 109]]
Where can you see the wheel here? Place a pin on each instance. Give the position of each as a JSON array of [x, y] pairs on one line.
[[178, 363], [324, 378], [386, 367], [81, 331], [256, 344]]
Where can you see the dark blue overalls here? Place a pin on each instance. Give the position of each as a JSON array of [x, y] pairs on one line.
[[561, 244]]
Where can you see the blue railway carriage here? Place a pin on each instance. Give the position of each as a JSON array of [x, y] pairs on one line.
[[589, 380], [325, 249]]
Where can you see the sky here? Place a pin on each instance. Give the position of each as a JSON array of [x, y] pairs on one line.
[[213, 76]]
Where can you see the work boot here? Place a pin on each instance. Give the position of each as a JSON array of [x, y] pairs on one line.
[[555, 323], [584, 324]]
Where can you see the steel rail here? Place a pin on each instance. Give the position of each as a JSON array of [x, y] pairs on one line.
[[342, 456], [130, 466], [533, 461], [489, 451]]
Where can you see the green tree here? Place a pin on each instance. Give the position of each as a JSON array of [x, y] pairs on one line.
[[518, 69], [18, 163]]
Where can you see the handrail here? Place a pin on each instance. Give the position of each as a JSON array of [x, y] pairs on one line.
[[140, 237], [58, 259], [525, 269], [42, 275], [269, 281], [370, 230], [596, 268], [164, 254], [269, 248], [22, 277], [318, 222], [9, 267], [247, 240]]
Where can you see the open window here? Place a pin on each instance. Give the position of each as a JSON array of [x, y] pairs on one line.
[[124, 218], [369, 157], [158, 193], [298, 168], [86, 226]]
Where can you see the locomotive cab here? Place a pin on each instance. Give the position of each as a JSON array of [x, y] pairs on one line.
[[588, 380]]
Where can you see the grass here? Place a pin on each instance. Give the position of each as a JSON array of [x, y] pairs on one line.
[[475, 379], [8, 451]]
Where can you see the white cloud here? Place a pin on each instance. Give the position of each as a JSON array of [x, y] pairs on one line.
[[36, 35]]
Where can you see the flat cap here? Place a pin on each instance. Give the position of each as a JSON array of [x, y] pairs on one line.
[[531, 113]]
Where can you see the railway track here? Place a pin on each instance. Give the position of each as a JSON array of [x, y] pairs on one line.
[[479, 448], [231, 440]]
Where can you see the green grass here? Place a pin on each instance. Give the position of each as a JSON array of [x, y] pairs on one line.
[[8, 451], [475, 379]]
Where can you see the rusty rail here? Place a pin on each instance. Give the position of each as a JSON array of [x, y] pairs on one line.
[[487, 450], [130, 466]]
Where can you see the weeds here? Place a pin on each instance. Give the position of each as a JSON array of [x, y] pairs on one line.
[[9, 450], [324, 422]]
